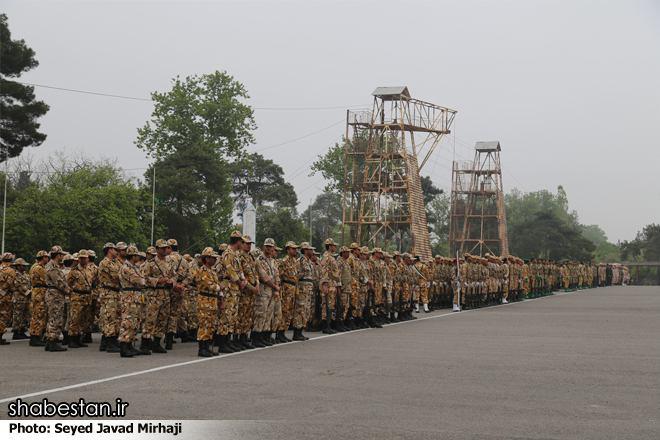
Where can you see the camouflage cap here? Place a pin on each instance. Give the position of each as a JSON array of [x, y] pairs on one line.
[[131, 250], [172, 242], [376, 250], [75, 255], [407, 255], [7, 256], [236, 234], [354, 245], [387, 255], [121, 245], [151, 250], [269, 242], [142, 255], [329, 241], [223, 247], [187, 257], [67, 256], [56, 250], [317, 253], [160, 243], [344, 249], [91, 252], [109, 245], [42, 254], [291, 244], [198, 255], [208, 252], [364, 249], [396, 253], [305, 245], [20, 262], [82, 253], [247, 239]]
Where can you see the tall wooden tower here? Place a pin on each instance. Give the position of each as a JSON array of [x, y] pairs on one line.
[[384, 151], [477, 222]]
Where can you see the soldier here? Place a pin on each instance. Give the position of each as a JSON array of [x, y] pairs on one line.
[[80, 283], [92, 310], [58, 289], [234, 282], [301, 312], [160, 276], [288, 267], [132, 284], [209, 297], [330, 286], [248, 294], [388, 286], [176, 323], [346, 278], [109, 291], [7, 275], [366, 289], [38, 306], [20, 298], [315, 303], [269, 291]]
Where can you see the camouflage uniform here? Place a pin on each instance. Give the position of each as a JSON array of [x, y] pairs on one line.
[[330, 281], [306, 277], [264, 306], [208, 294], [39, 315], [177, 314], [7, 276], [233, 275], [158, 301], [346, 277], [80, 284], [132, 285], [248, 293], [109, 296], [92, 312], [21, 300], [288, 268], [55, 296]]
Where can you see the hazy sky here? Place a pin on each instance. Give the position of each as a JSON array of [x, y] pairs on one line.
[[570, 88]]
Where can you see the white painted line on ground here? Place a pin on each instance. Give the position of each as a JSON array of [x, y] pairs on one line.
[[224, 356]]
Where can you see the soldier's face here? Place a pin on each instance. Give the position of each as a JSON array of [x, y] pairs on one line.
[[292, 252], [162, 252], [83, 261]]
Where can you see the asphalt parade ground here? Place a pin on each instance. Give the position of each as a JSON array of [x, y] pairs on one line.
[[581, 365]]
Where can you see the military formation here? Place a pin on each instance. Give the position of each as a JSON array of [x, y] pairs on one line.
[[240, 296]]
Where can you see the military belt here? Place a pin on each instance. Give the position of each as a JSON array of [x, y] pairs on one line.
[[40, 286], [289, 282], [114, 289], [306, 280], [209, 294], [131, 289], [82, 291], [48, 286]]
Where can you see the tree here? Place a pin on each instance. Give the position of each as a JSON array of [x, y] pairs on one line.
[[78, 205], [261, 179], [605, 251], [645, 246], [280, 224], [331, 167], [196, 130], [326, 218], [19, 108], [437, 214]]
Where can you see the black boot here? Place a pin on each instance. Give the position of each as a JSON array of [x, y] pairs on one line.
[[145, 346], [80, 341], [192, 335], [35, 341], [233, 342], [104, 343], [265, 338], [298, 335], [65, 337], [124, 350], [3, 342], [54, 346], [281, 337], [224, 346], [134, 351], [113, 345], [169, 340], [187, 336], [156, 347], [325, 324], [19, 335], [349, 323], [87, 338], [245, 342], [74, 341], [203, 350], [257, 340]]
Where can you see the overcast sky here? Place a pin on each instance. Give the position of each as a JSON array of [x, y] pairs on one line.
[[571, 89]]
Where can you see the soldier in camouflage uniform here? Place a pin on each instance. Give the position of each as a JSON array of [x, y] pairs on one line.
[[160, 276], [302, 305], [176, 323], [288, 267], [330, 285], [38, 306], [248, 293], [7, 275], [346, 279], [132, 284], [58, 289], [269, 292], [209, 297], [356, 305], [20, 298], [92, 311], [80, 283], [388, 288], [109, 296], [233, 282]]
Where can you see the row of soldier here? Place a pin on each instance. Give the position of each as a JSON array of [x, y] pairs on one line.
[[242, 297]]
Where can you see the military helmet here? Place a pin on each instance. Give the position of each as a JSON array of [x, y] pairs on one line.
[[20, 262], [160, 243], [269, 242], [121, 245], [131, 250], [55, 250]]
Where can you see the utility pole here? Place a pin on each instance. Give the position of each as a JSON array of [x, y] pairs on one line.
[[4, 204], [153, 206], [310, 221]]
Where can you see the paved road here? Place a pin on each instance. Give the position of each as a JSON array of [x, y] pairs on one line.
[[582, 365]]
